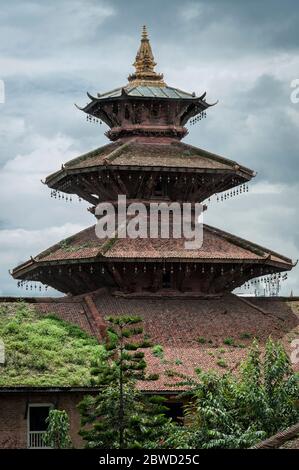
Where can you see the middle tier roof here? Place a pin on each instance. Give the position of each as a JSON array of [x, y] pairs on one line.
[[144, 169]]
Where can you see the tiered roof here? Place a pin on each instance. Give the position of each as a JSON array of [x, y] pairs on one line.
[[148, 162], [151, 156], [218, 246]]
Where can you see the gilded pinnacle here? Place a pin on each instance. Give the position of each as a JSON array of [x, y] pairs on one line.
[[144, 64]]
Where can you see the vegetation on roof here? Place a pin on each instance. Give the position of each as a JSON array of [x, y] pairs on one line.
[[66, 245], [109, 244], [81, 158], [44, 350]]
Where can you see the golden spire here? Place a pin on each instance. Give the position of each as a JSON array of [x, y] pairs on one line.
[[145, 64]]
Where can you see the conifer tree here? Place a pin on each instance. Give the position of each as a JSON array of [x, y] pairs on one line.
[[120, 416]]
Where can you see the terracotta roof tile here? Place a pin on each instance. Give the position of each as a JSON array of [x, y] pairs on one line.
[[177, 324], [217, 245], [134, 153]]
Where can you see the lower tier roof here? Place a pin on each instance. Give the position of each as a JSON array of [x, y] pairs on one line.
[[218, 246]]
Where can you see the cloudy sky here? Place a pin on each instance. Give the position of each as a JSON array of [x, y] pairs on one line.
[[243, 53]]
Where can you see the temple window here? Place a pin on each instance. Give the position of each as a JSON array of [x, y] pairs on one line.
[[37, 425]]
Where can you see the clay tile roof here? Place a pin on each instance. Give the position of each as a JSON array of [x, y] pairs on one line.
[[217, 246], [177, 324], [286, 439], [71, 310], [136, 154]]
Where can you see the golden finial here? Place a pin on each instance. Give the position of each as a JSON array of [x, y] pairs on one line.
[[144, 32], [145, 65]]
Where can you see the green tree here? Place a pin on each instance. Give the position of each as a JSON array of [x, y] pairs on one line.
[[236, 411], [271, 387], [120, 416], [57, 434]]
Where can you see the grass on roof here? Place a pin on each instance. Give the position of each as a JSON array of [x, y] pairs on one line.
[[43, 350]]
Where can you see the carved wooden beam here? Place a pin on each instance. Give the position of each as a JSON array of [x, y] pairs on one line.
[[89, 184], [156, 282], [85, 195], [89, 280], [140, 187], [150, 184], [114, 272]]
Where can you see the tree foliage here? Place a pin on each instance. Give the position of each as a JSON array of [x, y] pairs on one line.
[[237, 411], [120, 416], [57, 435], [223, 411]]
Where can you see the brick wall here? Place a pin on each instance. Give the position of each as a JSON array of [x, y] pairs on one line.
[[13, 421]]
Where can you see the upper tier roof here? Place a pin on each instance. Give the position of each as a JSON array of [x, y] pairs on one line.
[[145, 82], [146, 92], [146, 105]]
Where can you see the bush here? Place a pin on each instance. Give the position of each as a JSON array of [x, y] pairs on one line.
[[57, 434], [158, 351], [229, 341], [237, 411]]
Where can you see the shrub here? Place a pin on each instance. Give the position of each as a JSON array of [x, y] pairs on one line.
[[202, 340], [158, 351], [221, 363], [229, 341]]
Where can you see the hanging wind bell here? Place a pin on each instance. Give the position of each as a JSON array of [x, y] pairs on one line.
[[199, 117], [93, 119], [232, 192], [57, 195], [268, 286], [28, 285]]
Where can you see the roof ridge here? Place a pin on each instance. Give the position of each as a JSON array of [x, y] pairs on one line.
[[91, 153], [114, 154], [214, 156], [182, 91], [58, 244], [237, 239]]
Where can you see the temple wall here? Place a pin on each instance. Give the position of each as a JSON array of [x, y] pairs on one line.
[[14, 422]]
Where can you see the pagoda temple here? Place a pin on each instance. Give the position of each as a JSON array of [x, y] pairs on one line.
[[147, 161]]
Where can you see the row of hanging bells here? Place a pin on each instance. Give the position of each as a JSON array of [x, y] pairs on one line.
[[93, 119], [66, 197], [243, 188], [268, 285], [28, 285], [198, 118]]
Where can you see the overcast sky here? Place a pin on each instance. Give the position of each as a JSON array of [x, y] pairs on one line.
[[243, 53]]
